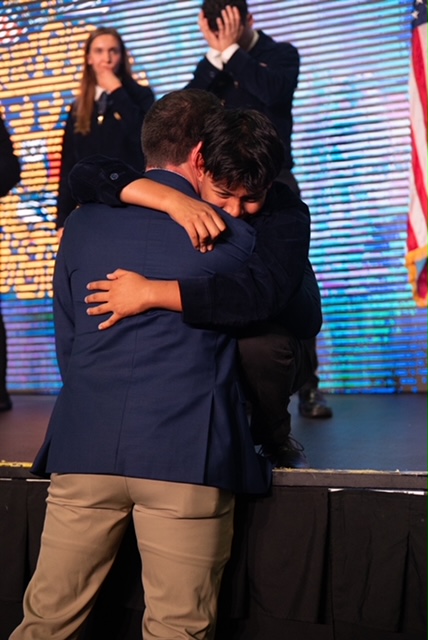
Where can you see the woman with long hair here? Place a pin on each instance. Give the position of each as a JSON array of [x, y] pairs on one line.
[[107, 115]]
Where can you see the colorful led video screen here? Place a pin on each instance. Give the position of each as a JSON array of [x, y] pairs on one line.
[[351, 146]]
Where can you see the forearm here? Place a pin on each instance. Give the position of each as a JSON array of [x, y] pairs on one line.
[[238, 299], [260, 290], [150, 194], [127, 293], [202, 223], [164, 295], [112, 182]]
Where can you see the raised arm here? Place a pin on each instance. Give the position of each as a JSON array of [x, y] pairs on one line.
[[275, 281], [201, 222], [269, 72], [113, 182], [126, 293]]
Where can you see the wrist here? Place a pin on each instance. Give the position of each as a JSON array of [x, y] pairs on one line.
[[164, 294], [227, 53], [214, 57]]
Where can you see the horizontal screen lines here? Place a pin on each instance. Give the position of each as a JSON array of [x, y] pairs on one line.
[[338, 312], [347, 114], [44, 342], [365, 84], [330, 160], [359, 131], [351, 147]]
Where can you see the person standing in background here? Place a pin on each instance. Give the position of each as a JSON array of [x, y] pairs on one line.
[[10, 174], [107, 115], [247, 69]]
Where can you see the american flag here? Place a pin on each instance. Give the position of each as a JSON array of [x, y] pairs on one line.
[[417, 224]]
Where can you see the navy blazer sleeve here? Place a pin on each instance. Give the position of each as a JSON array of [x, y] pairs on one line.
[[101, 179], [277, 282], [10, 169]]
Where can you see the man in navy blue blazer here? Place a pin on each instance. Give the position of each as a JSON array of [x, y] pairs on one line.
[[273, 301], [150, 423], [246, 68]]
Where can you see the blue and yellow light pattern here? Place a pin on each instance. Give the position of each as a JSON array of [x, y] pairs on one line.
[[351, 146]]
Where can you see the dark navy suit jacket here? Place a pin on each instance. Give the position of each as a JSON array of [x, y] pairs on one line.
[[277, 283], [152, 397], [263, 78]]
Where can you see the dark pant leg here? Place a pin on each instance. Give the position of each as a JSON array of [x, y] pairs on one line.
[[275, 365], [312, 380]]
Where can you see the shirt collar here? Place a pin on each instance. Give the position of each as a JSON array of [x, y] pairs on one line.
[[98, 91], [253, 40]]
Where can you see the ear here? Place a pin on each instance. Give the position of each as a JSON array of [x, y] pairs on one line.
[[197, 161], [250, 20]]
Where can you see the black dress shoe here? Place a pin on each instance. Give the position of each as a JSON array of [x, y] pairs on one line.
[[312, 404], [289, 455]]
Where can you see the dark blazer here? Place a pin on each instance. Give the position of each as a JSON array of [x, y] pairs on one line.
[[117, 135], [263, 78], [277, 282], [151, 397], [10, 170]]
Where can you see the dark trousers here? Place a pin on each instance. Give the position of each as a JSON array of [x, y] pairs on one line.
[[275, 365], [286, 176], [312, 380]]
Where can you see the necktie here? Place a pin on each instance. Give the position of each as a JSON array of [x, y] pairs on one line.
[[101, 107]]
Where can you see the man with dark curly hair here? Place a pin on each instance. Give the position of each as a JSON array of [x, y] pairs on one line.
[[246, 68]]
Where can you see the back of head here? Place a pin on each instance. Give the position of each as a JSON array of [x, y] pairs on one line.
[[241, 148], [212, 10], [174, 125]]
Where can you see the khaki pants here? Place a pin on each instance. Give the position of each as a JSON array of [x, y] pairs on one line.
[[184, 535]]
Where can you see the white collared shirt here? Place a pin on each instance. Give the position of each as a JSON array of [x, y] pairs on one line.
[[219, 58]]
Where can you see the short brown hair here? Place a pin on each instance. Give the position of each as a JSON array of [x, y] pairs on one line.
[[173, 126]]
